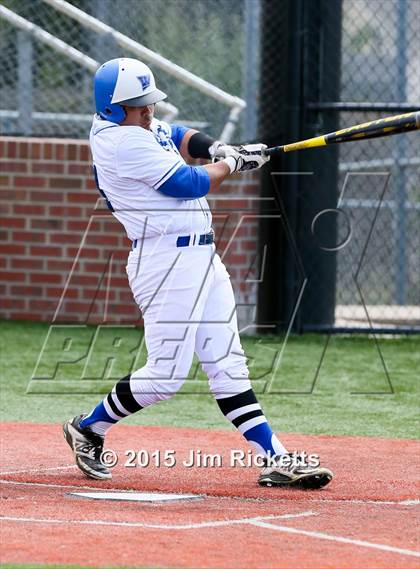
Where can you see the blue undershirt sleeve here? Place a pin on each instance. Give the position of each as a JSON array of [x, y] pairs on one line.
[[177, 134], [187, 183]]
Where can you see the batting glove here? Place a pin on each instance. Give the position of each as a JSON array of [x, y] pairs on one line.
[[216, 152], [242, 158]]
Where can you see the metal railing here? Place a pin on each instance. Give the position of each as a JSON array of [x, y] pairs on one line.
[[168, 110], [236, 104], [25, 115]]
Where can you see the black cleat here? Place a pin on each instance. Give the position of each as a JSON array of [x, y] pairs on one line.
[[292, 472], [87, 447]]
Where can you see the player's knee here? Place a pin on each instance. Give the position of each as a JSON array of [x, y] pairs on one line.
[[155, 384], [233, 365], [230, 381], [165, 389], [167, 369]]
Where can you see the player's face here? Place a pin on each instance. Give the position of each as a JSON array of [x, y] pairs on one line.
[[146, 116]]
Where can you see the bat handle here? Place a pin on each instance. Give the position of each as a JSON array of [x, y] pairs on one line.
[[272, 150]]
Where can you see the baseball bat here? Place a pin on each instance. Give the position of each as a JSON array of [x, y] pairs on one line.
[[373, 129]]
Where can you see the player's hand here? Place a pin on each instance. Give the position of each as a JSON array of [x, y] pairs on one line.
[[216, 150], [219, 150], [242, 158]]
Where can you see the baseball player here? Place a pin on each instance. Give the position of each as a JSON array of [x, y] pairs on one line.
[[178, 281]]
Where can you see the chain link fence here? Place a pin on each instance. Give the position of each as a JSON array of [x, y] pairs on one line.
[[38, 81], [381, 178], [356, 215], [43, 93]]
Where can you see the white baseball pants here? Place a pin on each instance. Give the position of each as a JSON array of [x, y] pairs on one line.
[[188, 306]]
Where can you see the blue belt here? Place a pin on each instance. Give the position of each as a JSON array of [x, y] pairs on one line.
[[185, 240], [204, 239]]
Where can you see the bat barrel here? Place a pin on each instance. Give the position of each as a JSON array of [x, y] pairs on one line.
[[374, 129]]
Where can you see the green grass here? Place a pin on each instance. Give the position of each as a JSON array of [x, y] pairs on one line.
[[350, 396]]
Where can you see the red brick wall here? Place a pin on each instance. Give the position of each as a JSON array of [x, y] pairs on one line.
[[48, 200]]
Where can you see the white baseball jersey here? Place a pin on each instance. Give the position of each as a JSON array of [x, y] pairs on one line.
[[131, 164]]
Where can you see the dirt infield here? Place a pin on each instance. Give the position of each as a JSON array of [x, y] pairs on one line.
[[367, 517]]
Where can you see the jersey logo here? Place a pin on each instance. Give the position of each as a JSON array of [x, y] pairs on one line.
[[144, 80], [162, 136]]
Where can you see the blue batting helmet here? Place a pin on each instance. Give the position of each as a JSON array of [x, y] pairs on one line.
[[124, 81]]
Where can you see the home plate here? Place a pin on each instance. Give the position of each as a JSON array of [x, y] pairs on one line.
[[136, 496]]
